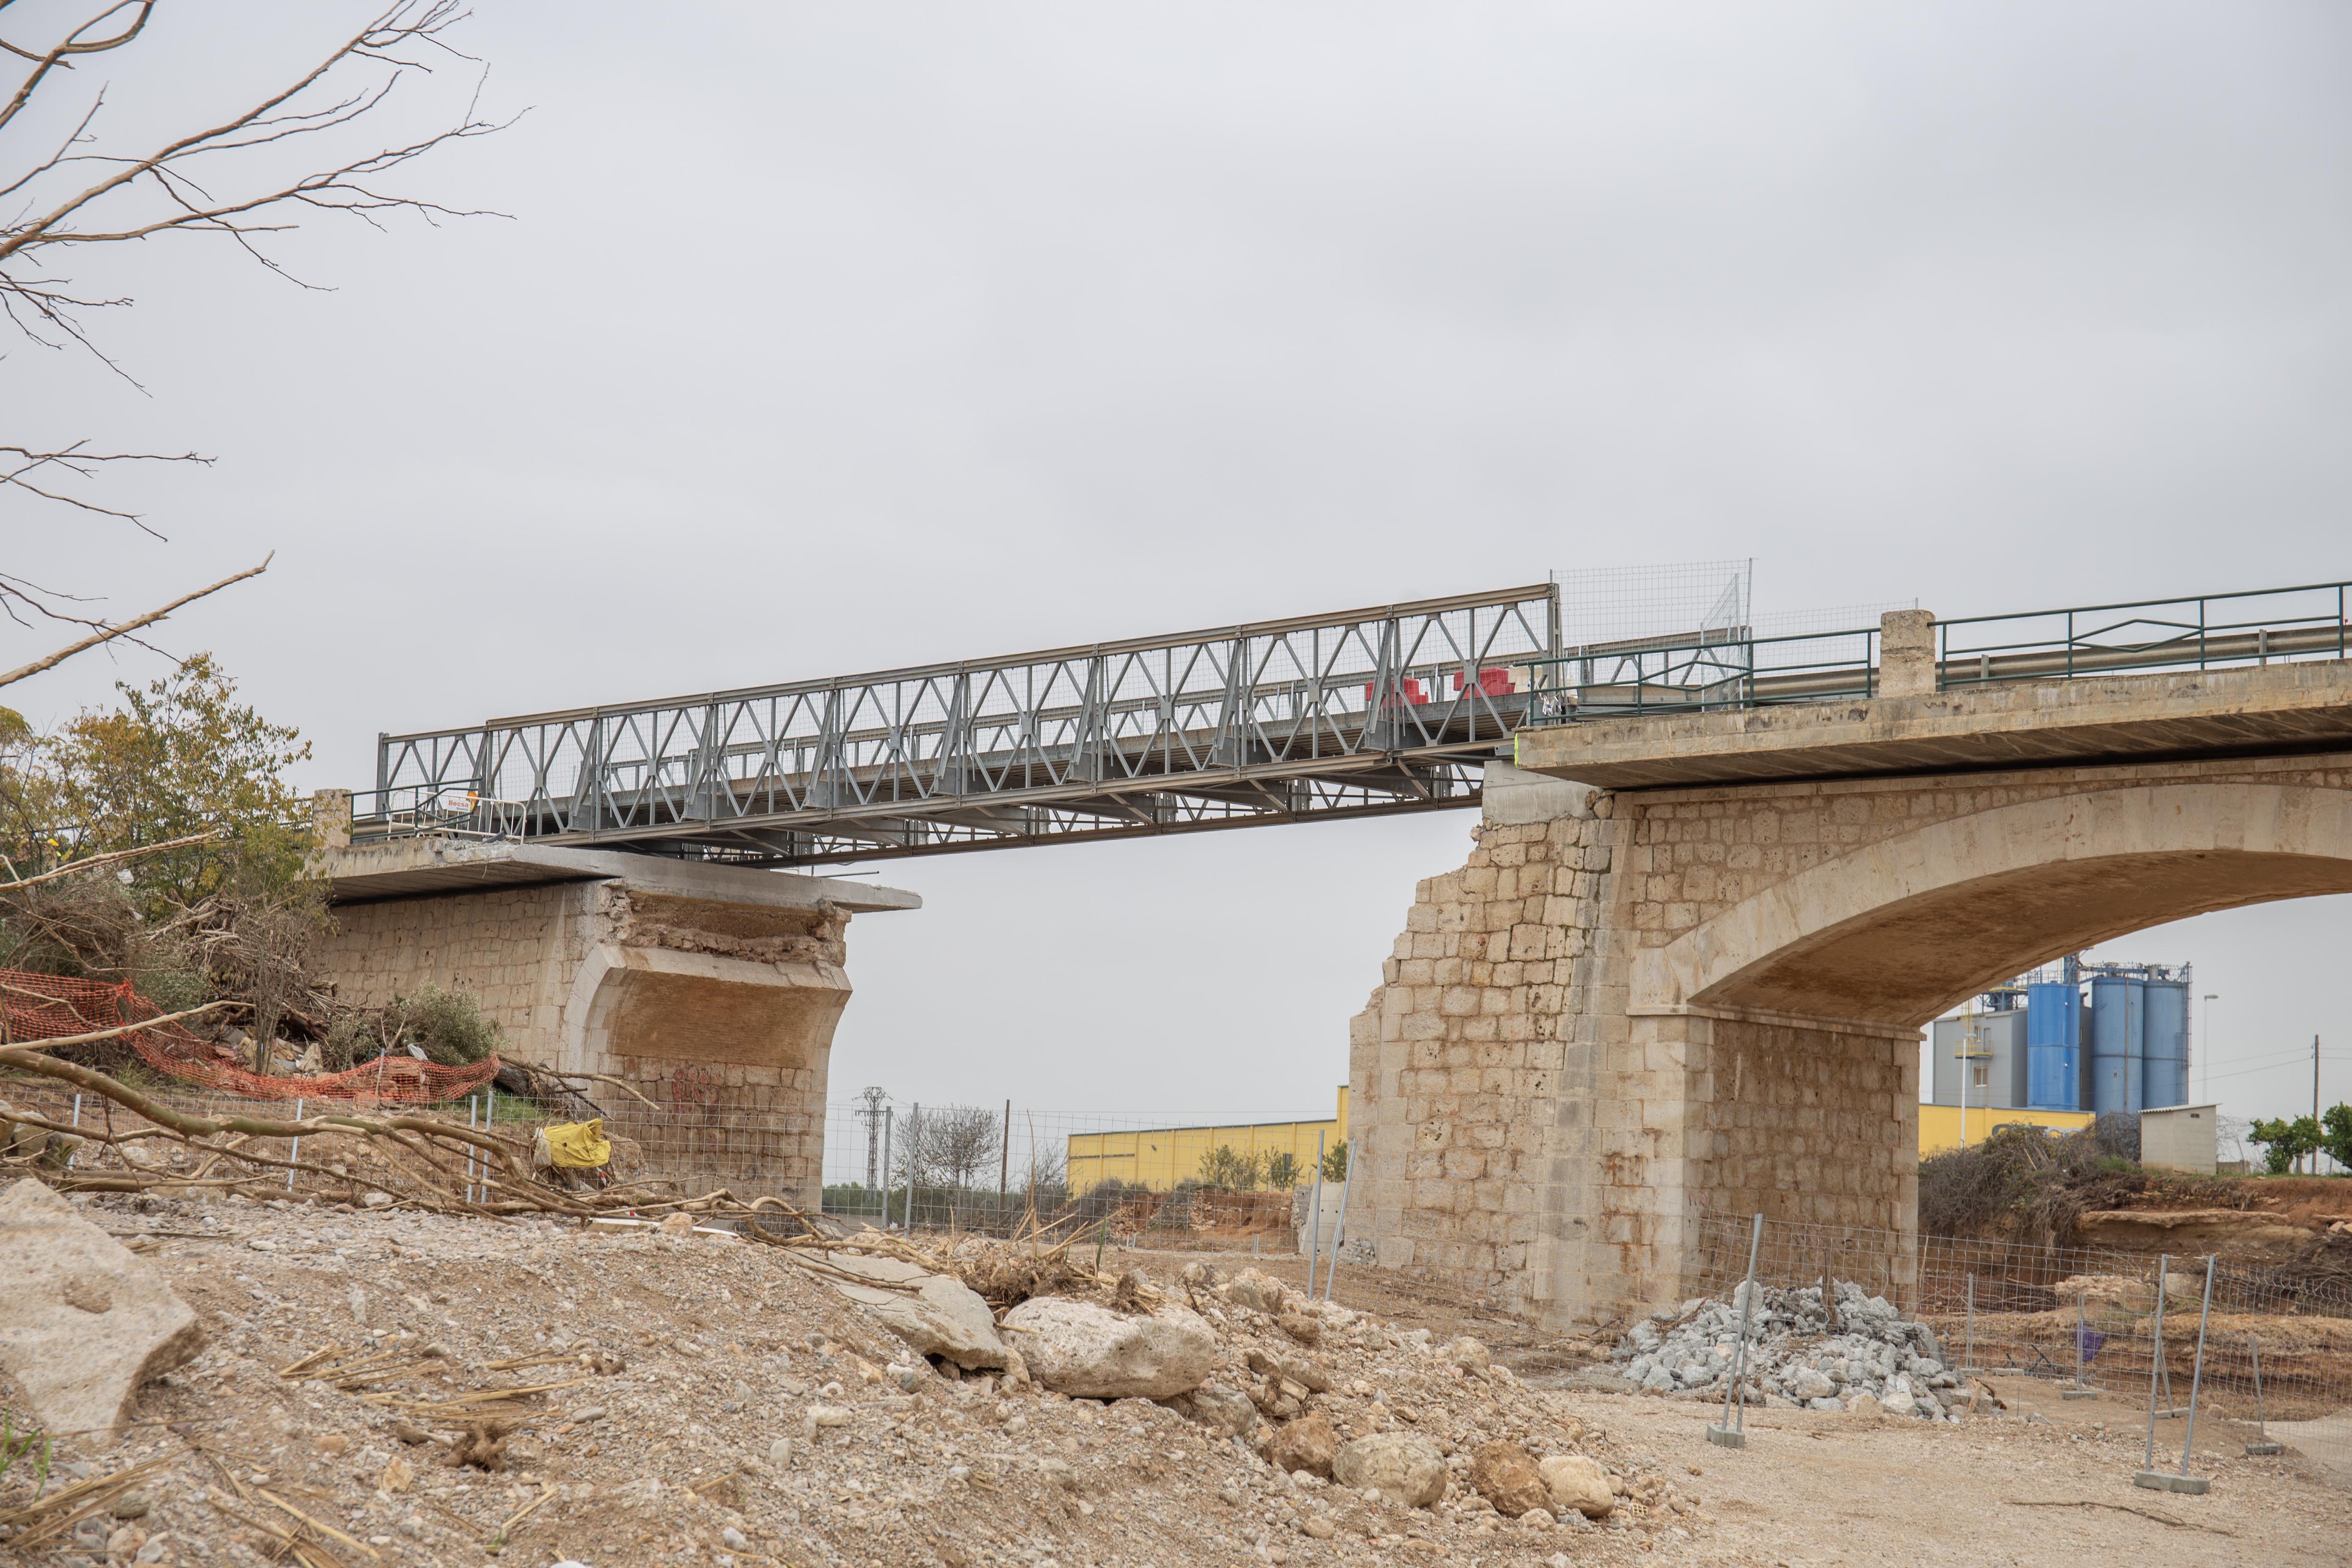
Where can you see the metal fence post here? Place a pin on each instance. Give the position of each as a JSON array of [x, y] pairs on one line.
[[1969, 1341], [2261, 1444], [1315, 1218], [914, 1161], [889, 1115], [2156, 1358], [1340, 1231], [1733, 1433], [2152, 1477], [295, 1157]]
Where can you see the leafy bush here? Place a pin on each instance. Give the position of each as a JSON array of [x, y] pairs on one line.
[[450, 1027], [1282, 1171], [2284, 1141], [1334, 1161], [1226, 1171]]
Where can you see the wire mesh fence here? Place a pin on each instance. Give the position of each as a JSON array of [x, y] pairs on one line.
[[2267, 1354]]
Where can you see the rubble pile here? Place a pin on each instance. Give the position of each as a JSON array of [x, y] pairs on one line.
[[1796, 1355], [385, 1386]]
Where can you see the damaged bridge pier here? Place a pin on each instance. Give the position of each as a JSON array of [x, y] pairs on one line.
[[713, 990], [1685, 967]]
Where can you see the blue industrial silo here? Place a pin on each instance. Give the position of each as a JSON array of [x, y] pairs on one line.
[[2165, 1071], [2053, 1043], [2118, 1031]]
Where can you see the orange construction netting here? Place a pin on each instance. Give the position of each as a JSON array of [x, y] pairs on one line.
[[51, 1007]]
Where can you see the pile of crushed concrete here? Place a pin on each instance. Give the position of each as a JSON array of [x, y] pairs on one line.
[[225, 1380], [1866, 1356]]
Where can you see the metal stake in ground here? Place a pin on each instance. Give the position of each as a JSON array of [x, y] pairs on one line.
[[1339, 1232], [2156, 1362], [2082, 1390], [1969, 1343], [2261, 1444], [2155, 1480], [914, 1161], [1733, 1433], [1315, 1218]]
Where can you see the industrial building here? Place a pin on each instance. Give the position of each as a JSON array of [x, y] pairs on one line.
[[2071, 1036], [1161, 1158]]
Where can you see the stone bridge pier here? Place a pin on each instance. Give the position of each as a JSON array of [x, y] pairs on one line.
[[712, 990], [1686, 964]]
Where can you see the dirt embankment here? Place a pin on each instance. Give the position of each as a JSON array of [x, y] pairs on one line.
[[704, 1399], [2265, 1219]]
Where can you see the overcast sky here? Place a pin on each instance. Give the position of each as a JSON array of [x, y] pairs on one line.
[[830, 338]]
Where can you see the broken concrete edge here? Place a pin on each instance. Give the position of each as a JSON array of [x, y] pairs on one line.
[[436, 863]]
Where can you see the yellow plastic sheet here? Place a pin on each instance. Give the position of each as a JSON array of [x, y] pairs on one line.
[[575, 1145]]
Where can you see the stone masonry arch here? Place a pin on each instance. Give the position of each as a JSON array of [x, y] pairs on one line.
[[1899, 930], [1631, 1008]]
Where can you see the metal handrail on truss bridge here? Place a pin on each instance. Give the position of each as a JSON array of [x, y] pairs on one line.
[[1361, 713], [1735, 669]]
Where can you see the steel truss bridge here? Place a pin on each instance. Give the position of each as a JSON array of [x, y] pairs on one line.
[[1364, 713], [1359, 714]]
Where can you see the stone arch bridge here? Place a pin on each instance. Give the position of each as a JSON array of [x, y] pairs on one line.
[[1685, 967]]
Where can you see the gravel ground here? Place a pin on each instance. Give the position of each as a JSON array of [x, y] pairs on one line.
[[722, 1348]]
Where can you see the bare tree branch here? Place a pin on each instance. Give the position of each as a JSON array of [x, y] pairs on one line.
[[70, 866], [399, 40], [24, 460], [109, 633], [73, 189]]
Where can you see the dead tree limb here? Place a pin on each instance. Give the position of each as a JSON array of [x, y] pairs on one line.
[[70, 866], [502, 1149], [108, 634]]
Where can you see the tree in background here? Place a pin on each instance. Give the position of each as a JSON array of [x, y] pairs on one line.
[[948, 1146], [1223, 1169], [181, 757], [2286, 1141], [1282, 1171], [2336, 1134], [1334, 1161]]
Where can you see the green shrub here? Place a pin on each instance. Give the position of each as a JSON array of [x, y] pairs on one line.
[[1334, 1161], [449, 1025], [1226, 1171]]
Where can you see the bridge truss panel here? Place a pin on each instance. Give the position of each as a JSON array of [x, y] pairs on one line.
[[1361, 713]]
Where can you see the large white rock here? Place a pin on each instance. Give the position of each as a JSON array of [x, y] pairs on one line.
[[1079, 1348], [944, 1318], [1403, 1467], [1578, 1483], [82, 1322]]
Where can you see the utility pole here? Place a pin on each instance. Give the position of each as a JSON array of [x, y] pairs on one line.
[[2315, 1097], [2212, 1039], [871, 1112]]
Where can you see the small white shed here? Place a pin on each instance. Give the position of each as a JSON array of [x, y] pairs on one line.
[[2179, 1138]]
